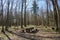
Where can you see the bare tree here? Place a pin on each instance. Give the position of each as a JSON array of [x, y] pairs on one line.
[[7, 20], [47, 14], [56, 13], [16, 13], [42, 16], [25, 13], [22, 14], [2, 16], [11, 13]]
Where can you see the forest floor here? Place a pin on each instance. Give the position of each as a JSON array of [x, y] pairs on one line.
[[43, 34]]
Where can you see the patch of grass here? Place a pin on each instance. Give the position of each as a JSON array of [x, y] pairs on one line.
[[3, 36], [44, 28]]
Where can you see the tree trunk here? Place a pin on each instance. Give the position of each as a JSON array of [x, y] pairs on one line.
[[2, 16], [47, 21], [25, 15], [22, 15], [56, 13], [7, 20]]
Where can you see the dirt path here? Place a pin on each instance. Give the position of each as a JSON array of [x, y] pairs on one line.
[[29, 36], [40, 36]]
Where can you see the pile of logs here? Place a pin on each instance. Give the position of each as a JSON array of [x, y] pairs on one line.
[[30, 30]]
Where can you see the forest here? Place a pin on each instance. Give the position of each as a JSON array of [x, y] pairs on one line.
[[29, 19]]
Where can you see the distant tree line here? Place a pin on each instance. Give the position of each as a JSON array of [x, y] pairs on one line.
[[20, 15]]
